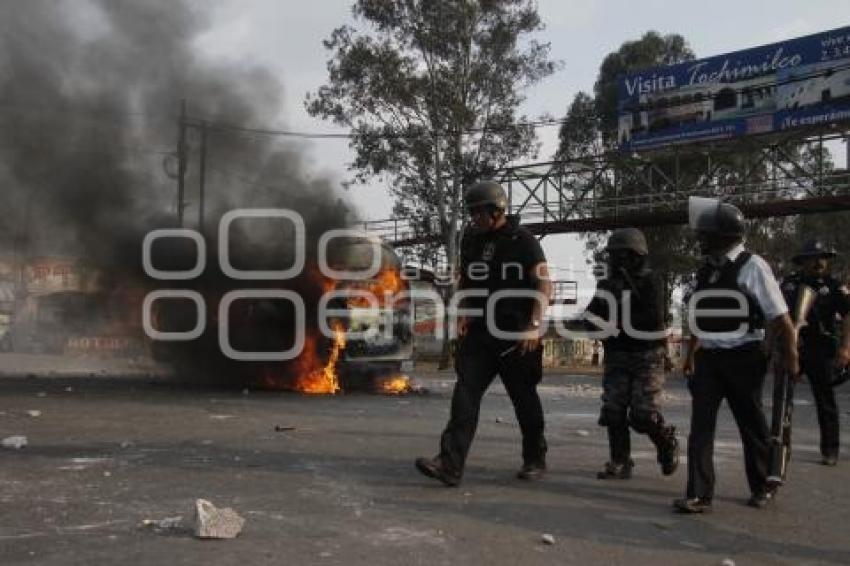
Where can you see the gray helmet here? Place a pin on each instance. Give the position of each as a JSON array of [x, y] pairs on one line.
[[628, 239], [486, 193], [813, 248], [723, 220]]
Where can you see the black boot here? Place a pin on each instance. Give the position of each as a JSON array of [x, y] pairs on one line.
[[434, 468], [620, 466], [668, 449], [616, 471]]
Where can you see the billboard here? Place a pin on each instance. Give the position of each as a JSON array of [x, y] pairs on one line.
[[797, 83]]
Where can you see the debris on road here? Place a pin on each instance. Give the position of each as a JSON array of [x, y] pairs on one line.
[[500, 420], [216, 523], [547, 539], [163, 524], [582, 432], [14, 442], [34, 413], [282, 428], [727, 562]]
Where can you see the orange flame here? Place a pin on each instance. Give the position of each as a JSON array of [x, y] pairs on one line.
[[396, 385], [384, 287], [311, 378]]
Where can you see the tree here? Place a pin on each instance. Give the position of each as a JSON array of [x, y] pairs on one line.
[[779, 239], [431, 91], [590, 128]]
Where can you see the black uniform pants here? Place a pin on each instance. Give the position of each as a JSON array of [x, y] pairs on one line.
[[736, 375], [818, 369], [478, 361]]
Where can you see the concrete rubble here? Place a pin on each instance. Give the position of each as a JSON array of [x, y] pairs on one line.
[[216, 523]]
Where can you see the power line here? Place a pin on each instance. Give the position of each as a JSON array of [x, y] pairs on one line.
[[91, 150], [223, 126]]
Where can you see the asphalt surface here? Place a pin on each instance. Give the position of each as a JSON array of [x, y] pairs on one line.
[[335, 484]]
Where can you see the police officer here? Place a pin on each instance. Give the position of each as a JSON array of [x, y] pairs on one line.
[[726, 358], [496, 255], [821, 348], [634, 361]]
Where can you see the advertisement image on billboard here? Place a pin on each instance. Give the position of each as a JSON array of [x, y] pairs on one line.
[[798, 83]]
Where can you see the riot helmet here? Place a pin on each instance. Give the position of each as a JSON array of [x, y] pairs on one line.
[[485, 194], [718, 225], [630, 239]]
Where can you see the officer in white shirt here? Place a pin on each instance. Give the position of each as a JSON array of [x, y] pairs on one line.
[[726, 356]]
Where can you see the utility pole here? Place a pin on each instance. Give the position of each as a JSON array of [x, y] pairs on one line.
[[202, 176], [181, 161]]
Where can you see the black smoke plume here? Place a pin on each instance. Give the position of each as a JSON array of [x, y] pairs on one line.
[[89, 97]]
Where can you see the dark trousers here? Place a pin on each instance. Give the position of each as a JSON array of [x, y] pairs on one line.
[[818, 370], [477, 363], [736, 375]]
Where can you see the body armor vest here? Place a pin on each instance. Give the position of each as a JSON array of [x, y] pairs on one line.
[[725, 278]]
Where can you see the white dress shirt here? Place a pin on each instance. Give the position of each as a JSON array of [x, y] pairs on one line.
[[756, 280]]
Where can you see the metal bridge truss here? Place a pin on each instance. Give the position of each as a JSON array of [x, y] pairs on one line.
[[763, 176]]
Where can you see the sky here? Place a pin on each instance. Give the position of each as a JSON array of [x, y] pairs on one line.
[[286, 37]]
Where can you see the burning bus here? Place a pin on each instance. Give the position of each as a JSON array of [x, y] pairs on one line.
[[364, 345]]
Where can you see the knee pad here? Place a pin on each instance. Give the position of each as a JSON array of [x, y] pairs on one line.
[[645, 422]]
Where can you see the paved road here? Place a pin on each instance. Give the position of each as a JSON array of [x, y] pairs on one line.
[[108, 452]]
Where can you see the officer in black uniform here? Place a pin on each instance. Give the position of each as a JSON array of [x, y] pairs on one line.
[[822, 347], [496, 254], [726, 355], [634, 361]]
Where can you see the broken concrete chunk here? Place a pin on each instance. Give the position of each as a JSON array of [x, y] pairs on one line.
[[547, 539], [216, 523], [14, 442]]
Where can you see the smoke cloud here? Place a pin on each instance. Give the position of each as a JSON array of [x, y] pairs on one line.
[[89, 95], [89, 98]]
